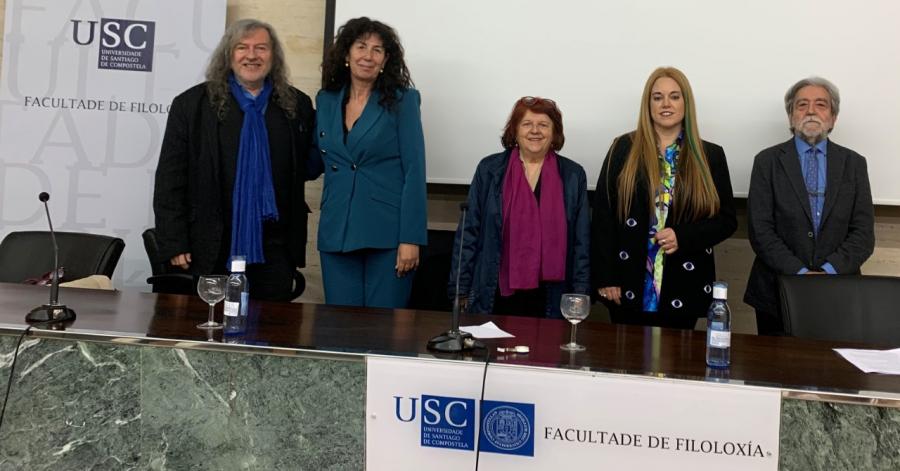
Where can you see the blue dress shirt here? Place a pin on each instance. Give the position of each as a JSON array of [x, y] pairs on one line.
[[817, 200]]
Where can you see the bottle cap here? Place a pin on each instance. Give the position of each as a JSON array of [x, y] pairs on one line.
[[238, 265], [720, 290]]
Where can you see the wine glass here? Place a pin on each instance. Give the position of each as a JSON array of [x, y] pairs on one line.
[[575, 308], [211, 289]]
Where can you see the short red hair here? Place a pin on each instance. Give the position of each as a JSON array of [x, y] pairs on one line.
[[537, 105]]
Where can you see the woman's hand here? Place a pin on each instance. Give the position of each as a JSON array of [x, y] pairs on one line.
[[407, 259], [611, 293], [667, 240]]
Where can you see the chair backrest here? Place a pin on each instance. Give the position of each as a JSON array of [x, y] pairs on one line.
[[429, 286], [166, 278], [29, 254], [852, 308], [151, 246]]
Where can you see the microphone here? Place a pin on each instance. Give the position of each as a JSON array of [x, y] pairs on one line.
[[455, 340], [52, 311]]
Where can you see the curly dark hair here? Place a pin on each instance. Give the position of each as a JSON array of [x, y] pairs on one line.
[[336, 74]]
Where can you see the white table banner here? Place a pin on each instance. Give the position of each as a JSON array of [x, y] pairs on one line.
[[426, 413]]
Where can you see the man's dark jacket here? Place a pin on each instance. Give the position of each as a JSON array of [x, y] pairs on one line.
[[780, 220], [196, 172]]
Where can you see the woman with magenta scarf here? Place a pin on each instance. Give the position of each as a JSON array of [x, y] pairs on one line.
[[527, 229]]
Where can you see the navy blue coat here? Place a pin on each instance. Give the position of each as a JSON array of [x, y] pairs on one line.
[[483, 238]]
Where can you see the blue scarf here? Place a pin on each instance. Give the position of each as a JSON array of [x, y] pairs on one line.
[[253, 199]]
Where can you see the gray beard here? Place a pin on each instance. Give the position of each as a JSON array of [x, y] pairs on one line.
[[811, 139]]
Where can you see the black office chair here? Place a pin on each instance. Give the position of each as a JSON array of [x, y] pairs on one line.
[[29, 254], [165, 277], [429, 286], [174, 280], [851, 308]]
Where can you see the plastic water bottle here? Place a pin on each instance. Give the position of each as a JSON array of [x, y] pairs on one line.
[[237, 297], [717, 375], [718, 329]]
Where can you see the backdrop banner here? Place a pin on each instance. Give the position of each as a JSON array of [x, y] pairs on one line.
[[86, 89], [428, 414]]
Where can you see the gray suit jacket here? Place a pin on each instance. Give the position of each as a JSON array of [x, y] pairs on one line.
[[780, 219]]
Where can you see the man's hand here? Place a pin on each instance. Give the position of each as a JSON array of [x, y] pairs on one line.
[[182, 260]]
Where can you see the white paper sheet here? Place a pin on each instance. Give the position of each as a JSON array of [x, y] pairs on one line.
[[488, 330], [873, 361]]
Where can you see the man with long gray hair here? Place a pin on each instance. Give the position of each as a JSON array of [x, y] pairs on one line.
[[809, 209], [232, 168]]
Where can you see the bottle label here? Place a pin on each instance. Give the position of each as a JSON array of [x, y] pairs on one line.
[[719, 339], [231, 308]]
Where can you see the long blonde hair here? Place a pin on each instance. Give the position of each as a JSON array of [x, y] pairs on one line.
[[696, 196]]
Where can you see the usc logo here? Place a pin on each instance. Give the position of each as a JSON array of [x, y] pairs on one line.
[[115, 32], [124, 44]]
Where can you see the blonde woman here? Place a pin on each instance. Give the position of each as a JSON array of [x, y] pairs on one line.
[[663, 201]]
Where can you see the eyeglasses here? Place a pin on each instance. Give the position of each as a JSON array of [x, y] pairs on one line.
[[536, 100]]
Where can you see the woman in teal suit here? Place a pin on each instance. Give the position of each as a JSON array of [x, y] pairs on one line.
[[371, 148]]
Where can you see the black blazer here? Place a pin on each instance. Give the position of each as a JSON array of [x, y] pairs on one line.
[[619, 248], [780, 220], [195, 176]]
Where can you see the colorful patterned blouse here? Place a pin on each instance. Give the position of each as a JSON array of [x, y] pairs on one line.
[[655, 256]]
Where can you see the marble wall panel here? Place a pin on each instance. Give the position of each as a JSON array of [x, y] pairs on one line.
[[83, 405], [230, 410], [73, 405], [823, 435]]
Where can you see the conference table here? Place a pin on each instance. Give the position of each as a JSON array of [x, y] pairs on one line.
[[132, 383]]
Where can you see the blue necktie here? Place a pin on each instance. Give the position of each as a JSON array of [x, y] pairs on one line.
[[812, 185]]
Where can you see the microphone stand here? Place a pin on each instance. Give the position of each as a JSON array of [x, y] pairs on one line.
[[52, 311], [455, 340]]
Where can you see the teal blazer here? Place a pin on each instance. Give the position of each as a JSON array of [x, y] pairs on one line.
[[374, 192]]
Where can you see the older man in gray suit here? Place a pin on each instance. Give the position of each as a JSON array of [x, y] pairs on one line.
[[810, 206]]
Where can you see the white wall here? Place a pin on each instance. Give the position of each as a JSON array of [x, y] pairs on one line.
[[473, 58]]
